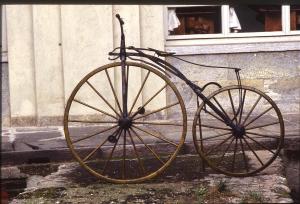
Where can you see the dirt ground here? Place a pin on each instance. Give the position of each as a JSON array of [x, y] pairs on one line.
[[183, 182]]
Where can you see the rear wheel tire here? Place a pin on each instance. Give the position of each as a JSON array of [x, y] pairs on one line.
[[251, 148]]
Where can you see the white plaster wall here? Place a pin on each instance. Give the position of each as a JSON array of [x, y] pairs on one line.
[[3, 35], [52, 47], [21, 61], [48, 60], [151, 27]]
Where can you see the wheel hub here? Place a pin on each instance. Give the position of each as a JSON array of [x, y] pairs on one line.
[[238, 131], [125, 123]]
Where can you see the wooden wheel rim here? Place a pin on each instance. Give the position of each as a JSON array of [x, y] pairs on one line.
[[150, 175]]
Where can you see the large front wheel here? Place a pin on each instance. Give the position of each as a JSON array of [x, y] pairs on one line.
[[255, 141], [119, 145]]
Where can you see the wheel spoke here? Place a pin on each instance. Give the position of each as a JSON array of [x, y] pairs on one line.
[[150, 99], [152, 151], [242, 106], [142, 168], [211, 137], [155, 111], [113, 90], [232, 106], [244, 155], [220, 107], [258, 116], [254, 105], [92, 107], [93, 152], [139, 92], [215, 127], [124, 156], [235, 148], [211, 150], [127, 79], [90, 121], [97, 92], [112, 152], [206, 111], [157, 123], [261, 135], [97, 133], [263, 146], [98, 147], [260, 126], [227, 148], [253, 152], [200, 133], [152, 134]]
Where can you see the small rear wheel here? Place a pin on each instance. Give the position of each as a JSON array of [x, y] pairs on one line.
[[250, 147], [130, 147]]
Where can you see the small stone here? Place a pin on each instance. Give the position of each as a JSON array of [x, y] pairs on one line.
[[281, 189], [286, 200], [282, 180], [12, 173]]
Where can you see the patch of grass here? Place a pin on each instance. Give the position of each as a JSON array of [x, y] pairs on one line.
[[51, 192], [217, 193], [201, 194], [253, 197], [222, 186]]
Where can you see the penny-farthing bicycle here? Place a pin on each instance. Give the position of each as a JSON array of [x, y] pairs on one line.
[[133, 119]]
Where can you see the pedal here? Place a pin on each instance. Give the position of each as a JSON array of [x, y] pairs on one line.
[[141, 110], [112, 139]]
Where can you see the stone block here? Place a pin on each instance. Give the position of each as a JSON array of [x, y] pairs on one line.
[[283, 89], [36, 140], [196, 73], [5, 144], [267, 64]]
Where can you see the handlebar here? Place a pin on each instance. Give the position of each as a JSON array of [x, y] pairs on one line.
[[120, 19], [161, 53]]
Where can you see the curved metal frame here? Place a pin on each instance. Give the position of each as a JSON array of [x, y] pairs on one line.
[[163, 66]]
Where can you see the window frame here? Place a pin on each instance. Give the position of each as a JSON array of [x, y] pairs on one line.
[[285, 19]]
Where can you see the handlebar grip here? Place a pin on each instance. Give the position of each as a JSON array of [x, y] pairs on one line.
[[120, 19]]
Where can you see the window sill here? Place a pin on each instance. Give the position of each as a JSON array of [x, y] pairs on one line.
[[233, 45]]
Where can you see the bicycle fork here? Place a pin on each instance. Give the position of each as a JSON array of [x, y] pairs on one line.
[[124, 88], [227, 120]]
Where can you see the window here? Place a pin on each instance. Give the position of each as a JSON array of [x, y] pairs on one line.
[[257, 18], [200, 21], [195, 20], [295, 17]]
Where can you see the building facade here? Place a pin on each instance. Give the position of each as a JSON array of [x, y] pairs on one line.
[[47, 49]]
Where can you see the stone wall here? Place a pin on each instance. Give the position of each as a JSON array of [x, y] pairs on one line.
[[275, 73]]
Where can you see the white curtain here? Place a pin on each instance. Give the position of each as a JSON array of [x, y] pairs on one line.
[[173, 21], [234, 22]]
